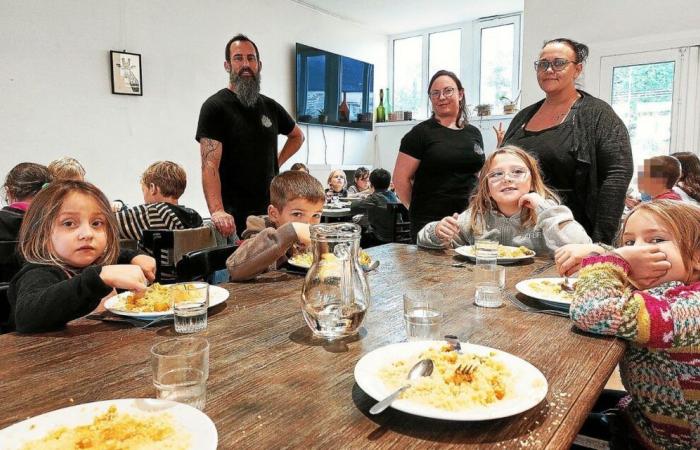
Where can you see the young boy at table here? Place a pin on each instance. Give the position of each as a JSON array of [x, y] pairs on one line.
[[296, 201], [660, 175], [162, 184], [379, 219]]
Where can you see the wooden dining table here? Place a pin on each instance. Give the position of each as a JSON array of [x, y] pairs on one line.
[[273, 385]]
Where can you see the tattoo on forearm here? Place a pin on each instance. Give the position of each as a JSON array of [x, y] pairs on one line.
[[209, 149]]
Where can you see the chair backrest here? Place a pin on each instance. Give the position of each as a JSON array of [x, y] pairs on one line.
[[402, 226], [201, 264], [4, 308], [10, 261], [168, 247]]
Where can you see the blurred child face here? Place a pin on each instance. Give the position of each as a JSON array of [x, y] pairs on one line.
[[650, 185], [79, 234], [643, 228], [297, 210], [508, 179], [337, 182]]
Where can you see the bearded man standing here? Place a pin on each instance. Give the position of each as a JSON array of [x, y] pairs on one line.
[[237, 135]]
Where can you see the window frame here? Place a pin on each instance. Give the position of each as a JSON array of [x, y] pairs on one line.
[[469, 61]]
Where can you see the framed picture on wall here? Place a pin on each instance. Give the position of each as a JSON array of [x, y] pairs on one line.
[[126, 73]]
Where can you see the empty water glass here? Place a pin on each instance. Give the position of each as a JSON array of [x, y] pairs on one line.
[[486, 251], [490, 281], [422, 315], [180, 370], [190, 304]]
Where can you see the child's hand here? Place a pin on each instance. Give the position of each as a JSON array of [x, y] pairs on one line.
[[147, 265], [447, 228], [124, 276], [568, 257], [531, 200], [647, 264], [303, 233]]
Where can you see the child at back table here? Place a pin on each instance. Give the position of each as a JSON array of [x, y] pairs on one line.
[[296, 201], [511, 205], [647, 292], [69, 240]]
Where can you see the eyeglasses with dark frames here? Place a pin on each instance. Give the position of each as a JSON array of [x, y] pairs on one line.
[[447, 93], [557, 65]]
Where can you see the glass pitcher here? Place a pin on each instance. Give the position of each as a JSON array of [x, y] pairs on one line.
[[335, 295]]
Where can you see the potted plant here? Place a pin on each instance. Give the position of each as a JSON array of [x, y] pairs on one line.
[[322, 116], [483, 110], [510, 106]]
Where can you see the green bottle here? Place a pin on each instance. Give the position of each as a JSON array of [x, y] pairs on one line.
[[381, 114], [388, 103]]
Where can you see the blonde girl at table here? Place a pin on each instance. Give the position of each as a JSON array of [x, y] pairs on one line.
[[647, 292], [70, 242], [511, 205], [337, 183]]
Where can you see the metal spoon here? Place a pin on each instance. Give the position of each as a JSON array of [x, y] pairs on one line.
[[423, 368], [372, 266]]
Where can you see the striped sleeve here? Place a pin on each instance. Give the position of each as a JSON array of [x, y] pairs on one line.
[[605, 303], [132, 221]]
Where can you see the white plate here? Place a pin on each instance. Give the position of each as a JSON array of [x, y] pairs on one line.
[[550, 299], [203, 435], [217, 295], [529, 389], [468, 251], [298, 264]]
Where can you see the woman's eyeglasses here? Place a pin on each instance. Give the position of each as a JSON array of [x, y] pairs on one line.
[[557, 65], [447, 93], [517, 175]]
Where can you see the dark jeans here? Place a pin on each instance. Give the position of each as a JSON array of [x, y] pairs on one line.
[[605, 422]]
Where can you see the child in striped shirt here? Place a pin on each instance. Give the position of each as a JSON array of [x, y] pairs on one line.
[[647, 292]]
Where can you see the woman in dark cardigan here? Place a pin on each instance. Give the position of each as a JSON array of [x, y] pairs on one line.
[[582, 146]]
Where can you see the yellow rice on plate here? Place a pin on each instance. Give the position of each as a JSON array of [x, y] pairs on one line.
[[116, 431], [306, 259], [505, 251], [447, 389], [157, 298], [551, 290]]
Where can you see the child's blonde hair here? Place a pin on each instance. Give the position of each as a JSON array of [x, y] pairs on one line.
[[168, 176], [333, 172], [66, 168], [481, 202], [294, 184], [37, 226], [682, 220]]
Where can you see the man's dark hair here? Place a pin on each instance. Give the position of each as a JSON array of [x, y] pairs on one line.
[[243, 38], [380, 179]]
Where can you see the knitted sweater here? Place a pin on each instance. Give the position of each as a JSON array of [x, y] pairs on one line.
[[661, 366], [544, 238]]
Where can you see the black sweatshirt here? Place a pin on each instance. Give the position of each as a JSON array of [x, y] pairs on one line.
[[43, 297]]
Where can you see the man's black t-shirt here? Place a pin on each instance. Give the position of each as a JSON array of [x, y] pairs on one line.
[[249, 148], [449, 162]]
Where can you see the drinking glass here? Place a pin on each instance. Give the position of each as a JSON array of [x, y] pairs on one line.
[[490, 282], [190, 304], [486, 251], [422, 315], [180, 370]]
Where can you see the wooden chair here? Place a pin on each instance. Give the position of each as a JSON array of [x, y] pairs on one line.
[[168, 247], [201, 264], [402, 226]]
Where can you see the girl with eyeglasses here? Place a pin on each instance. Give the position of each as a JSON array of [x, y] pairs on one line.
[[582, 146], [511, 205], [439, 158]]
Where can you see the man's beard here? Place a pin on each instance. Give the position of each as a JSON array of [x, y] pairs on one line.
[[246, 88]]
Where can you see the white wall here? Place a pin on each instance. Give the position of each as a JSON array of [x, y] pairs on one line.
[[607, 27], [55, 80]]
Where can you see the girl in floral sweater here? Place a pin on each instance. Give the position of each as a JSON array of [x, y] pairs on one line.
[[647, 292]]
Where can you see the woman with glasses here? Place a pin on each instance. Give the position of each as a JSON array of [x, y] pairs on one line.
[[582, 146], [511, 205], [439, 158]]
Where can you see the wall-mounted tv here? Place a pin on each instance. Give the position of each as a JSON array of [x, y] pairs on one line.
[[324, 79]]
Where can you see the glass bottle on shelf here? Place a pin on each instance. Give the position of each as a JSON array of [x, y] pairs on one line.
[[381, 113], [344, 110], [387, 107]]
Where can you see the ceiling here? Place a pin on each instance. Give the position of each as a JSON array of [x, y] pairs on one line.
[[395, 17]]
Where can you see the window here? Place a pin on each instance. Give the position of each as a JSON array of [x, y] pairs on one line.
[[498, 59], [408, 81], [417, 56], [444, 52]]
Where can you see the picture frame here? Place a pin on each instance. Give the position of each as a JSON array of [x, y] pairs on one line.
[[126, 73]]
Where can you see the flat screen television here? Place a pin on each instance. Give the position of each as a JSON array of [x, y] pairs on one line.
[[324, 79]]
